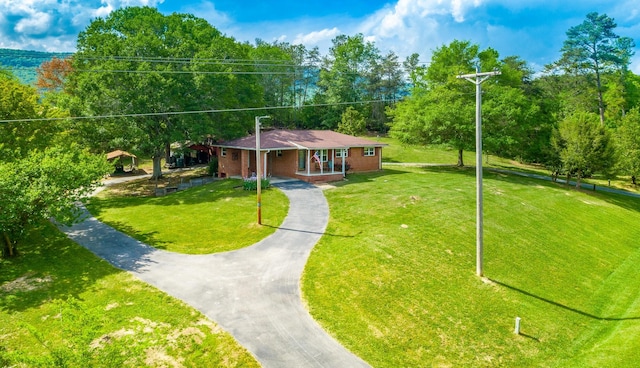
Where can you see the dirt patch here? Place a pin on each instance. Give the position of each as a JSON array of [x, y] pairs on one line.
[[193, 332], [215, 329], [325, 186], [101, 341], [145, 187], [149, 325], [25, 283], [157, 357]]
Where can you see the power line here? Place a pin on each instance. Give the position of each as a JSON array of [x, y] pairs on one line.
[[33, 120], [178, 72]]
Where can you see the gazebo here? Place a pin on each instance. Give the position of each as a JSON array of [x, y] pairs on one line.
[[117, 156]]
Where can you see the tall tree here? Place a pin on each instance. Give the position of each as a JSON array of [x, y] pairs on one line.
[[439, 115], [514, 117], [592, 48], [42, 173], [584, 146], [19, 101], [441, 107], [385, 87], [344, 76], [53, 73], [278, 79], [141, 63], [45, 184], [352, 122], [412, 68], [628, 144]]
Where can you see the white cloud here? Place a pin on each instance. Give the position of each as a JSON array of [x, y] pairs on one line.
[[416, 25], [207, 10], [317, 37], [53, 25], [37, 23]]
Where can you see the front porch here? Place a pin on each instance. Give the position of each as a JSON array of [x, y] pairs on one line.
[[318, 177]]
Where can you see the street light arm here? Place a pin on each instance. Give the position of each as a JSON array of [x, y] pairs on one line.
[[477, 75]]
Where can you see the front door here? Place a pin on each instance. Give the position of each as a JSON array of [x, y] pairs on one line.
[[302, 160]]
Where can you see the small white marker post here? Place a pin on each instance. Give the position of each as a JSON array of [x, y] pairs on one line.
[[517, 330]]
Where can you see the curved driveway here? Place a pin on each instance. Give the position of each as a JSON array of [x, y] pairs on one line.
[[254, 292]]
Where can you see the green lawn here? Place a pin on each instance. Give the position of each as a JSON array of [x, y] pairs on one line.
[[61, 306], [398, 153], [216, 217], [394, 280]]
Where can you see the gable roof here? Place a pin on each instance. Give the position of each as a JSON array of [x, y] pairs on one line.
[[284, 139]]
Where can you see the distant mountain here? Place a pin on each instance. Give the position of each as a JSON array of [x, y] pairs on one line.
[[23, 63]]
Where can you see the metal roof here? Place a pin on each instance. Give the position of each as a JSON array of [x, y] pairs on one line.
[[284, 139]]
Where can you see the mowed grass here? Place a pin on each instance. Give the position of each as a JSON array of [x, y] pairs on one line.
[[216, 217], [396, 153], [394, 277], [61, 306]]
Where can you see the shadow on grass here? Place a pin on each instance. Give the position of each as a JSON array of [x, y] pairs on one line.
[[207, 193], [309, 232], [620, 198], [368, 177], [49, 266], [559, 305], [149, 238], [529, 337]]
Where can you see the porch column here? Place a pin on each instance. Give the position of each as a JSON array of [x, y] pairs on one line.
[[308, 162], [344, 158], [264, 172], [244, 163], [333, 161]]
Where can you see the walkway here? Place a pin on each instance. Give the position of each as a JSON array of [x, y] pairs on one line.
[[254, 292]]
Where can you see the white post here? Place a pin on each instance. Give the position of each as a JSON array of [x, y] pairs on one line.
[[517, 330], [258, 165], [479, 199], [477, 78]]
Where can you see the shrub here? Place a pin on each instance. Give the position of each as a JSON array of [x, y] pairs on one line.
[[213, 166], [252, 184]]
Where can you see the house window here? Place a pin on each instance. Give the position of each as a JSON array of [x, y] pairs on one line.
[[323, 155], [342, 153], [223, 152], [279, 153], [369, 151]]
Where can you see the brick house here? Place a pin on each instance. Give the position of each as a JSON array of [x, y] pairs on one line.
[[308, 155]]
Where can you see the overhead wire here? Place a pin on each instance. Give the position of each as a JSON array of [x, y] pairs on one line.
[[212, 111], [196, 61]]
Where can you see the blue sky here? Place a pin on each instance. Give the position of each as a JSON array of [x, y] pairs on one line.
[[531, 29]]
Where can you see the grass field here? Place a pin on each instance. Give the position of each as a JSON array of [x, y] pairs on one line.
[[216, 217], [61, 306], [398, 287], [398, 153]]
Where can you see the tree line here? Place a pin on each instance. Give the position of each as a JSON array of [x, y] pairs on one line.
[[578, 117], [141, 80]]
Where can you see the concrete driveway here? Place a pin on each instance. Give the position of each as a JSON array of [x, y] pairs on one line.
[[254, 292]]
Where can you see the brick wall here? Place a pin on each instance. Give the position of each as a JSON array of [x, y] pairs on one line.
[[230, 163], [241, 163], [361, 163]]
